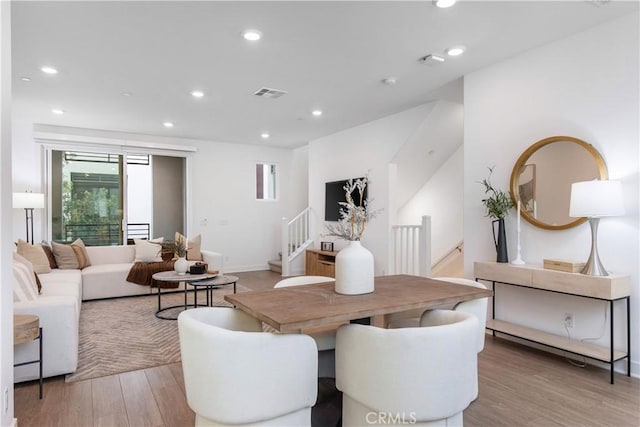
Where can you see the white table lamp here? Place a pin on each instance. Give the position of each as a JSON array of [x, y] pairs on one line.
[[595, 199], [28, 201]]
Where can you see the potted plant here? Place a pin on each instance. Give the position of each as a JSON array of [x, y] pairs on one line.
[[497, 204], [179, 249], [354, 264]]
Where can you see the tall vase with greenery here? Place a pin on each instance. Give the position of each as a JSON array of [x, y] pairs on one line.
[[354, 264], [497, 204]]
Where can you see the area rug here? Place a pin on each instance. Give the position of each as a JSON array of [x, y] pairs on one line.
[[123, 334]]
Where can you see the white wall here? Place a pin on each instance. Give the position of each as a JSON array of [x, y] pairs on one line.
[[6, 246], [441, 199], [559, 89], [245, 230], [350, 154]]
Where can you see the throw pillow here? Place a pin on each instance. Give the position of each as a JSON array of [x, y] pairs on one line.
[[65, 256], [38, 283], [72, 256], [148, 250], [81, 253], [35, 254], [193, 246], [49, 253], [24, 286]]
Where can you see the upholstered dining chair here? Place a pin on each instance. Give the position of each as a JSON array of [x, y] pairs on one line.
[[324, 337], [235, 374], [420, 376], [477, 307]]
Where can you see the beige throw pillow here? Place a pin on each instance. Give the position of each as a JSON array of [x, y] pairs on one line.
[[65, 256], [148, 250], [35, 254], [193, 246]]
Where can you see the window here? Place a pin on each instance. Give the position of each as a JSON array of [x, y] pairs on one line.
[[266, 181]]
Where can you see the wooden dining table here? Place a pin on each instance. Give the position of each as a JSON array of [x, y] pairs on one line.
[[294, 308]]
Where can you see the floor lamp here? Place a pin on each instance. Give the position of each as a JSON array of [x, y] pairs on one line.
[[595, 199], [28, 201]]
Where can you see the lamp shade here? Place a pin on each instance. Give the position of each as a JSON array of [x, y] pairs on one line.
[[28, 200], [594, 199]]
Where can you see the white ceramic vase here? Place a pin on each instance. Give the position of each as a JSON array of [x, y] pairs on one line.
[[354, 270], [181, 265]]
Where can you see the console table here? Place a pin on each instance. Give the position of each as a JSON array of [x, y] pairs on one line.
[[610, 288]]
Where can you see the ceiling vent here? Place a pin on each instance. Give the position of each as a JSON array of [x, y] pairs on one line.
[[266, 92]]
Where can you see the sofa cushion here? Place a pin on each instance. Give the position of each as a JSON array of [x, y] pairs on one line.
[[35, 254], [148, 250], [65, 256], [49, 253], [194, 245], [117, 254], [108, 281], [81, 253], [24, 281]]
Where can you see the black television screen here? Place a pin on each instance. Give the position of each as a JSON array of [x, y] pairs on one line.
[[334, 194]]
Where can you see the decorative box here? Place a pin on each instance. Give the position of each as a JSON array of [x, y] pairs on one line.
[[563, 265], [198, 268]]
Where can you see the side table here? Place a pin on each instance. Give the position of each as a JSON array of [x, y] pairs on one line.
[[26, 328]]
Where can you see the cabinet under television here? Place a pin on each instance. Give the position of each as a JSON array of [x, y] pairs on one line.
[[320, 263]]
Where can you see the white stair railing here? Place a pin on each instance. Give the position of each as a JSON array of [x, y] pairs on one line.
[[411, 249], [296, 237]]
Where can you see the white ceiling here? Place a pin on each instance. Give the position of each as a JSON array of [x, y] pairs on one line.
[[328, 55]]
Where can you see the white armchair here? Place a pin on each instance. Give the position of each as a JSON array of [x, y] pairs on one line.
[[235, 374], [418, 376], [324, 337]]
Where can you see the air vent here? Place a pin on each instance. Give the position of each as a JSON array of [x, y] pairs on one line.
[[266, 92]]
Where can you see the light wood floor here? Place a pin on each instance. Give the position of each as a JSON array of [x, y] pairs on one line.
[[519, 386]]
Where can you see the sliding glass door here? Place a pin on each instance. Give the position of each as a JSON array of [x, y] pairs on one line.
[[87, 197], [108, 198]]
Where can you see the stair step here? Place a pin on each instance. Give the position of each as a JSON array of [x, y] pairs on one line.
[[275, 265]]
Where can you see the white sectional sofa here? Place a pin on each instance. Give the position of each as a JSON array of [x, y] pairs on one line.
[[106, 277], [59, 304]]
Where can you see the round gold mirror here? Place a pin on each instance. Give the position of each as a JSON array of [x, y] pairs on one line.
[[541, 179]]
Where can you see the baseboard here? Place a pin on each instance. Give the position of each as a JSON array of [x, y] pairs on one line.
[[14, 423], [244, 268]]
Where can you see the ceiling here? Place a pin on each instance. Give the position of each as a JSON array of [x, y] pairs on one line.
[[331, 55]]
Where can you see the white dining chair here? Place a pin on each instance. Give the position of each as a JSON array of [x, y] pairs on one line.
[[325, 337], [235, 374], [419, 376]]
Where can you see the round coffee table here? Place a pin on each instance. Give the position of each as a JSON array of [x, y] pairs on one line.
[[206, 280]]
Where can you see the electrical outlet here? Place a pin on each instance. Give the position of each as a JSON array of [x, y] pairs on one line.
[[568, 320]]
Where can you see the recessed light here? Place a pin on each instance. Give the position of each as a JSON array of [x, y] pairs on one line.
[[127, 94], [444, 3], [390, 81], [316, 113], [25, 79], [264, 135], [455, 51], [167, 124], [252, 35], [197, 93], [49, 70], [432, 59], [57, 111]]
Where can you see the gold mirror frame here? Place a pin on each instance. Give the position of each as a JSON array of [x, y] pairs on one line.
[[522, 161]]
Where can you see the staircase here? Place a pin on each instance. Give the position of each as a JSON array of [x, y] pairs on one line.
[[296, 238]]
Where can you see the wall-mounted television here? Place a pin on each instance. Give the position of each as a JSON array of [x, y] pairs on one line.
[[334, 194]]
